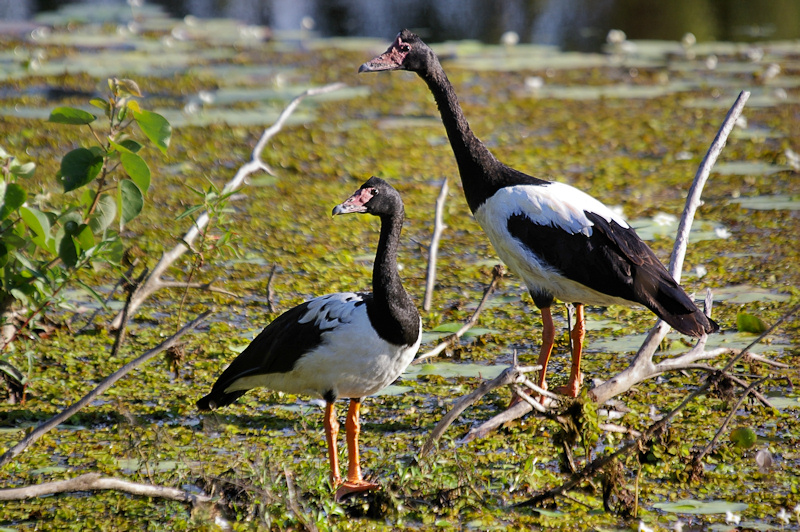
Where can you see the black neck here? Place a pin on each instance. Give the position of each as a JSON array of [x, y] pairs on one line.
[[481, 173], [392, 312]]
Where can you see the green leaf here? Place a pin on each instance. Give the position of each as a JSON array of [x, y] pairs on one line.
[[104, 214], [21, 170], [749, 323], [130, 145], [89, 290], [12, 199], [100, 104], [137, 169], [67, 251], [3, 255], [744, 437], [37, 222], [70, 115], [129, 86], [84, 236], [155, 127], [189, 210], [79, 167], [130, 201]]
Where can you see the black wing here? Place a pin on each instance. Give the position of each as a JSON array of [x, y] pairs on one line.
[[616, 262], [275, 350]]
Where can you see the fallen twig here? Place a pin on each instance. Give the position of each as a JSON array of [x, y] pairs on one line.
[[94, 481], [699, 456], [154, 282], [65, 414], [497, 273], [270, 291], [597, 465], [438, 227], [510, 375]]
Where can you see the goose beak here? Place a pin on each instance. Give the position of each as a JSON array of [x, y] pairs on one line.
[[380, 63], [355, 203], [391, 59]]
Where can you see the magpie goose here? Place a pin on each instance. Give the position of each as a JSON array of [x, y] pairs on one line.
[[339, 345], [564, 244]]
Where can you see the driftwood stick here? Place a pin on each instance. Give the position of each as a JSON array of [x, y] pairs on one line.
[[699, 456], [642, 366], [65, 414], [536, 405], [509, 375], [497, 273], [270, 290], [597, 465], [93, 481], [510, 414], [433, 252], [154, 282]]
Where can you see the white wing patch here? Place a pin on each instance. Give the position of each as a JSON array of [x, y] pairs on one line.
[[555, 204], [327, 312]]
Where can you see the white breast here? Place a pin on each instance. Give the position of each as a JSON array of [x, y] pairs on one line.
[[557, 205], [352, 360]]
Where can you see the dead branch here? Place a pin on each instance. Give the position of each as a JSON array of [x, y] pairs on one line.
[[44, 427], [270, 291], [438, 227], [155, 282], [509, 375], [598, 464], [497, 273], [93, 481], [642, 366], [704, 451]]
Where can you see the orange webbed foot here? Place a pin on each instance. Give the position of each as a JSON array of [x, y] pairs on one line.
[[350, 487]]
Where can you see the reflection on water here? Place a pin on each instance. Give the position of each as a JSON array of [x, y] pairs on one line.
[[570, 24]]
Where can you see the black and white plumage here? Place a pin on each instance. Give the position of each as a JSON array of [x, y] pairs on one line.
[[347, 345], [564, 244]]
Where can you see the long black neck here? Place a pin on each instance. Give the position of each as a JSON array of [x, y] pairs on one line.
[[481, 173], [392, 312]]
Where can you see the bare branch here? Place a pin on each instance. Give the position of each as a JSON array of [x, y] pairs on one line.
[[155, 281], [497, 273], [699, 456], [642, 366], [438, 227], [509, 375], [65, 414], [270, 292], [93, 481]]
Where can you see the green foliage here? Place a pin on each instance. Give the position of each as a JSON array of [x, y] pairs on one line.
[[750, 323], [46, 239]]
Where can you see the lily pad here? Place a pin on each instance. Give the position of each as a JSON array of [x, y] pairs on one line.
[[782, 403], [749, 168], [449, 369], [778, 202], [747, 294], [666, 225], [394, 389], [692, 506]]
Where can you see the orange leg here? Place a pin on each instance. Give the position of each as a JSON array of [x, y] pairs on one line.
[[548, 338], [577, 335], [331, 434], [355, 482]]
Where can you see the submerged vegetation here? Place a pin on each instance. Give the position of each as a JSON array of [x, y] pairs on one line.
[[629, 126]]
